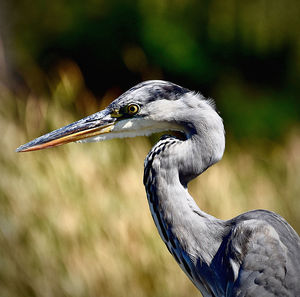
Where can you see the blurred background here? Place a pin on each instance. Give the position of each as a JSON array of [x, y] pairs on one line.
[[74, 220]]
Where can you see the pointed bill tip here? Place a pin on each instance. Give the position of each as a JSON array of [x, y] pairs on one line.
[[24, 148], [19, 149]]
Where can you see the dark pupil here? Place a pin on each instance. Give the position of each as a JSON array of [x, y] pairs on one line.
[[132, 108]]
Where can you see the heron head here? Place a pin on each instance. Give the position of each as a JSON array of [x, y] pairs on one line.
[[147, 108]]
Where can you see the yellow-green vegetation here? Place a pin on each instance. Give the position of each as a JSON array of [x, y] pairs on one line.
[[74, 220]]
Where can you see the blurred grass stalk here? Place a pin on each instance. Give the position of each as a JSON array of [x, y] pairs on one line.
[[75, 221]]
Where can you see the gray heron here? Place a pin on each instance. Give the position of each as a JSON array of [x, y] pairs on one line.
[[254, 254]]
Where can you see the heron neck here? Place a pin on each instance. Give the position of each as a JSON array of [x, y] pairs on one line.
[[168, 168]]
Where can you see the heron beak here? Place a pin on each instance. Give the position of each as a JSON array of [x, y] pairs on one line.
[[99, 123]]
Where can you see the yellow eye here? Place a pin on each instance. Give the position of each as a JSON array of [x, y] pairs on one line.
[[132, 109]]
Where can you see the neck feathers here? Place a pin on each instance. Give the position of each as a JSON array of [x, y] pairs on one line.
[[172, 163]]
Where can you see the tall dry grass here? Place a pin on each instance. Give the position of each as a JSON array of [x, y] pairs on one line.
[[75, 221]]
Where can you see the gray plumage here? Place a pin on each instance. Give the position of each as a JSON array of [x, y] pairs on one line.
[[255, 254]]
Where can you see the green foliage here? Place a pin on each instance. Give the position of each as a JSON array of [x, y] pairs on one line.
[[199, 44]]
